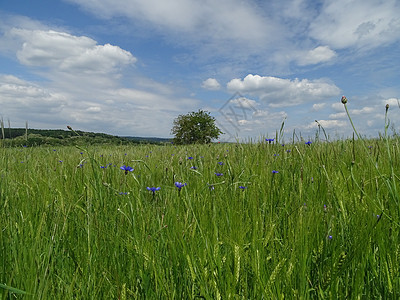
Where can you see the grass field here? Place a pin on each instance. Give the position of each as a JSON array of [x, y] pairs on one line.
[[254, 221]]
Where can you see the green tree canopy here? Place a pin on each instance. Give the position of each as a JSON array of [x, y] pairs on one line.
[[195, 127]]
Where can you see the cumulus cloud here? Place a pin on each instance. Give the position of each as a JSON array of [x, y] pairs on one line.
[[211, 84], [278, 92], [68, 53], [318, 106], [317, 55], [393, 102], [35, 102], [328, 124]]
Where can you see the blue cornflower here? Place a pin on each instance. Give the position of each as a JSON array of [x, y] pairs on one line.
[[126, 169], [219, 174], [180, 185], [269, 140], [330, 237], [242, 187], [274, 172], [190, 157], [220, 163], [194, 168], [308, 143], [153, 189]]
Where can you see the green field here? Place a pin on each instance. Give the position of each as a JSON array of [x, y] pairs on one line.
[[296, 221]]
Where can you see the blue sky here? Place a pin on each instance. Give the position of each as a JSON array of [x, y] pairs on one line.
[[129, 67]]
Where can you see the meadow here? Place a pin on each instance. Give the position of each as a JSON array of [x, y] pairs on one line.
[[247, 221]]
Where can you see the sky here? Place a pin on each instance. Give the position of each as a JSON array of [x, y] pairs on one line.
[[130, 67]]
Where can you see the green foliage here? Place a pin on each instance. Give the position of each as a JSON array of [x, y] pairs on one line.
[[16, 137], [76, 226], [195, 127]]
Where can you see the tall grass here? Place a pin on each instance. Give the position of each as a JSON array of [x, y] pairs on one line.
[[74, 225]]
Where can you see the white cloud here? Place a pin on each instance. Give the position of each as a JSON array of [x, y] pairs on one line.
[[24, 101], [244, 103], [211, 84], [318, 106], [207, 18], [317, 55], [278, 92], [328, 124], [357, 23], [68, 53], [339, 115], [393, 102]]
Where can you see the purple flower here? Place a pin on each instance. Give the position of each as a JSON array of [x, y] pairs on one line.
[[330, 237], [274, 172], [219, 174], [220, 163], [153, 189], [180, 185], [126, 169]]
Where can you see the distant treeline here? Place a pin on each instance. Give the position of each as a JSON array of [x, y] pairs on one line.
[[36, 137]]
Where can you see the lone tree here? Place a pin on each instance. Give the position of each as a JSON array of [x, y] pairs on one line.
[[195, 127]]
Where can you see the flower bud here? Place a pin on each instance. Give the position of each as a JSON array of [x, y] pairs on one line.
[[344, 100]]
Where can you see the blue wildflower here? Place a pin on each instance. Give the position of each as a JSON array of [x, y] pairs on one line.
[[308, 143], [220, 163], [180, 185], [190, 157], [153, 189], [219, 174], [242, 187], [126, 169], [274, 172]]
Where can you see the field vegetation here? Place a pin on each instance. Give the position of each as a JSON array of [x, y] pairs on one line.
[[262, 220]]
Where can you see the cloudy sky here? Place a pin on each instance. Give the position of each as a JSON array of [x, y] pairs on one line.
[[129, 67]]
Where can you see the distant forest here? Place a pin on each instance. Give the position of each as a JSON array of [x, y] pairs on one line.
[[36, 137]]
